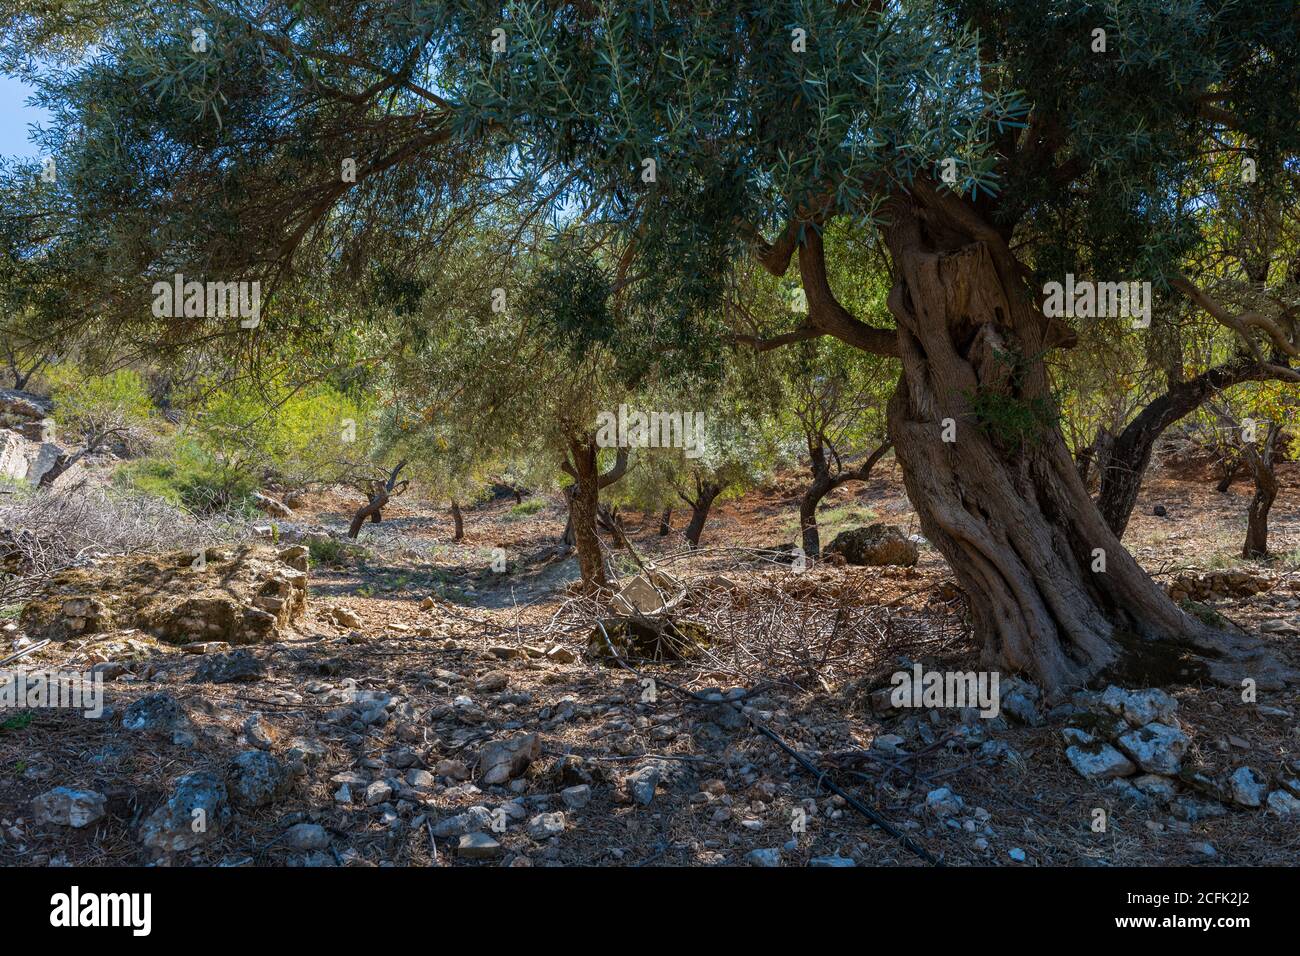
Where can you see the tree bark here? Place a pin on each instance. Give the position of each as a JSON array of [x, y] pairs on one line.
[[1230, 471], [1012, 517], [823, 483], [567, 538], [666, 522], [705, 493], [811, 536], [584, 502], [380, 494], [1261, 464], [1121, 476], [458, 520]]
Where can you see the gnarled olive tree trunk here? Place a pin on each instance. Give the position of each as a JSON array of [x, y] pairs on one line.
[[1261, 465], [705, 494], [458, 520], [584, 506], [1130, 451], [1052, 591]]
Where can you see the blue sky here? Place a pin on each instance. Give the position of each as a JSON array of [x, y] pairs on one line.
[[16, 118]]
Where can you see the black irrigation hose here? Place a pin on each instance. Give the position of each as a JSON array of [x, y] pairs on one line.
[[823, 779]]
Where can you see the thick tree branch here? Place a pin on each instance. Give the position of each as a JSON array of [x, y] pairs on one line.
[[825, 311]]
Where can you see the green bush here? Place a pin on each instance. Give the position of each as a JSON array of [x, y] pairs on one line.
[[185, 474], [86, 403], [332, 551], [1013, 423], [526, 508]]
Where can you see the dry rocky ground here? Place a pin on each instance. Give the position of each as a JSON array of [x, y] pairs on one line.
[[303, 702]]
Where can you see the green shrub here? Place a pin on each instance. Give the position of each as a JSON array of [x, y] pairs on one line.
[[86, 403], [526, 508], [1012, 422], [19, 721], [332, 551], [185, 474]]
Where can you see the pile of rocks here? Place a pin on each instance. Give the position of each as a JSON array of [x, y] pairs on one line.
[[250, 596], [1133, 740], [26, 414], [1219, 585]]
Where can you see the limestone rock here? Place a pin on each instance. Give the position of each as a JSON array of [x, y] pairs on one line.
[[477, 846], [255, 779], [575, 798], [243, 597], [642, 783], [1140, 707], [1156, 748], [66, 807], [1283, 804], [1247, 787], [475, 818], [344, 618], [155, 714], [503, 760], [1098, 761], [546, 825], [876, 545], [942, 802], [237, 667], [195, 814], [307, 836]]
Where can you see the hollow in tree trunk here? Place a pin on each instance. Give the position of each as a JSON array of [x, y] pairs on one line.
[[1262, 466], [1051, 590]]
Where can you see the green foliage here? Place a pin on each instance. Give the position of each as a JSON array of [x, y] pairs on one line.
[[185, 473], [297, 436], [1010, 418], [1011, 421], [87, 404], [526, 508], [19, 721], [570, 295], [332, 551]]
